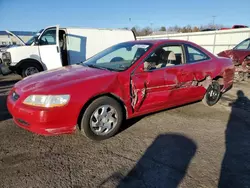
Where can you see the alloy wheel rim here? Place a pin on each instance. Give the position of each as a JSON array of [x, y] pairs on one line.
[[103, 120], [213, 93], [31, 70]]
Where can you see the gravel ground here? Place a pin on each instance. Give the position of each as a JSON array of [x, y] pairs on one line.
[[189, 146]]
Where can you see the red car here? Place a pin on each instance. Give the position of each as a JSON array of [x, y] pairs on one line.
[[124, 81], [240, 55]]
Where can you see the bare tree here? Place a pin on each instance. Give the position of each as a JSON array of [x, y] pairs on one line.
[[176, 29], [163, 28]]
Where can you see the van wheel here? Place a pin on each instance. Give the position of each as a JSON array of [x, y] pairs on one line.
[[213, 94], [29, 69], [102, 119]]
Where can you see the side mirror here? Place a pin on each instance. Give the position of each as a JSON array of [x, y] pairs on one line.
[[145, 69], [36, 41]]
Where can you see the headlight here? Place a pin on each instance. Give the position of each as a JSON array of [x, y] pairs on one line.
[[47, 101], [6, 55]]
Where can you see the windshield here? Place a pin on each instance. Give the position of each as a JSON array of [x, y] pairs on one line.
[[118, 57], [32, 39], [244, 45]]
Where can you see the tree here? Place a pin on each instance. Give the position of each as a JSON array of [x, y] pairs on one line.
[[163, 28], [196, 29], [176, 29]]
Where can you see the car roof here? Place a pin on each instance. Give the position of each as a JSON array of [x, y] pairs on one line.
[[160, 41], [163, 41]]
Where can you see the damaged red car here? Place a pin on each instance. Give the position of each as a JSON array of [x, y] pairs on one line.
[[240, 56], [124, 81]]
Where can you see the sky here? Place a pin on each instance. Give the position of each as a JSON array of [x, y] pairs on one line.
[[33, 15]]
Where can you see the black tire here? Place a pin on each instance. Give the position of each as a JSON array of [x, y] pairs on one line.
[[85, 122], [27, 66], [215, 88]]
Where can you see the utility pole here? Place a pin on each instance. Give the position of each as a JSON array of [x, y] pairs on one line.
[[214, 21], [130, 22]]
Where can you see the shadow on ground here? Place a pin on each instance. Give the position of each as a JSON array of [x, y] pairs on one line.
[[164, 164], [235, 169]]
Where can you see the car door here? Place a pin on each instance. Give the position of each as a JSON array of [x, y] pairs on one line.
[[161, 87], [147, 90], [49, 49]]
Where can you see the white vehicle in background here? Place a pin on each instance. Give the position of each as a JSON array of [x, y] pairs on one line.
[[55, 47]]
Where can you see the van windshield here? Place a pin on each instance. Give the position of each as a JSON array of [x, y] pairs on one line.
[[32, 39], [118, 57]]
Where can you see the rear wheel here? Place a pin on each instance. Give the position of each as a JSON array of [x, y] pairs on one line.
[[102, 119], [213, 94], [28, 69]]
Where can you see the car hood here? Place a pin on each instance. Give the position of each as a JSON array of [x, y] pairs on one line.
[[16, 37], [46, 81]]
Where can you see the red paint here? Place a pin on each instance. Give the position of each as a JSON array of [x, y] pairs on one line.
[[156, 90], [239, 57], [235, 27]]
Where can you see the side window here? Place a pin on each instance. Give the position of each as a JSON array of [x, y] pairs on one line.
[[243, 45], [48, 37], [170, 55], [195, 55]]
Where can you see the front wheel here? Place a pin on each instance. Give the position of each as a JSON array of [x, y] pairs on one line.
[[30, 69], [102, 119], [213, 94]]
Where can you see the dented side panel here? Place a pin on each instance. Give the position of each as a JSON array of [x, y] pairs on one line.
[[147, 90]]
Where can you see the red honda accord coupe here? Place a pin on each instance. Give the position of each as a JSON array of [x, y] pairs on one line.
[[124, 81]]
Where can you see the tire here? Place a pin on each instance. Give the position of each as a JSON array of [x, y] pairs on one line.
[[213, 89], [26, 69], [93, 110]]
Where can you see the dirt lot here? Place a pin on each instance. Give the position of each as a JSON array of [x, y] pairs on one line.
[[189, 146]]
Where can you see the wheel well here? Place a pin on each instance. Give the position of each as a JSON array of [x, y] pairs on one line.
[[208, 80], [247, 57], [26, 61], [94, 98], [220, 80]]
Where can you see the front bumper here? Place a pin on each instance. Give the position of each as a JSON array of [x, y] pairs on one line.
[[39, 120], [5, 69]]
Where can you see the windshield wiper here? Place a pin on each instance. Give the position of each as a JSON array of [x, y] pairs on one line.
[[98, 67]]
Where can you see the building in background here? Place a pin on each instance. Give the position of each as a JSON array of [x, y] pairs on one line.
[[6, 39]]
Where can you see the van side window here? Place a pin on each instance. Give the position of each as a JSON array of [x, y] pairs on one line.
[[48, 37]]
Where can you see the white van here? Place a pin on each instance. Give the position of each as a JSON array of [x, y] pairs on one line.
[[55, 47]]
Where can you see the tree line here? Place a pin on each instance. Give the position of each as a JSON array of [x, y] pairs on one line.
[[173, 29]]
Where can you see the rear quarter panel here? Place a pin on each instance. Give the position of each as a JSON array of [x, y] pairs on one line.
[[226, 70]]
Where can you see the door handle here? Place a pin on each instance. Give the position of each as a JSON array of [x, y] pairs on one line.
[[57, 48]]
